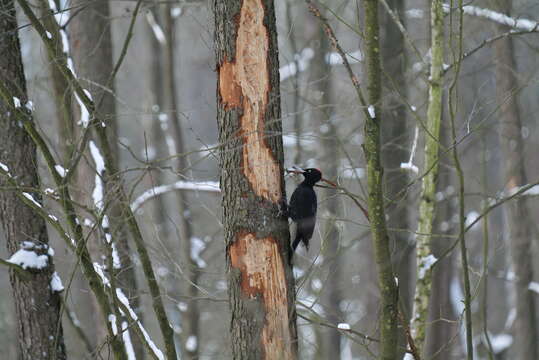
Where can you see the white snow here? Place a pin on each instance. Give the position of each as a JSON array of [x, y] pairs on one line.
[[191, 343], [182, 306], [112, 320], [29, 106], [411, 167], [500, 342], [343, 326], [29, 259], [521, 24], [115, 257], [49, 35], [197, 247], [50, 251], [534, 286], [126, 337], [84, 114], [97, 194], [410, 164], [334, 58], [53, 218], [425, 264], [17, 102], [123, 299], [176, 11], [56, 283], [157, 31], [301, 63], [414, 13], [316, 284], [31, 198], [372, 112], [5, 168], [60, 170], [101, 273], [303, 59], [211, 186], [471, 217]]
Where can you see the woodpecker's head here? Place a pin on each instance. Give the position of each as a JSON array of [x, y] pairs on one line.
[[312, 176]]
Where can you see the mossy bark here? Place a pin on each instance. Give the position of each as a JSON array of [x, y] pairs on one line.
[[380, 238], [428, 185]]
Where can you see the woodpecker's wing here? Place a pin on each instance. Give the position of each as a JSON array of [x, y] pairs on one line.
[[303, 203]]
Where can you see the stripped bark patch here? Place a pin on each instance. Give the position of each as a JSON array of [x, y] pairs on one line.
[[229, 90], [245, 84], [263, 277]]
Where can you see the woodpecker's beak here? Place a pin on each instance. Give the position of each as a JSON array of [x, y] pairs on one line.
[[329, 182]]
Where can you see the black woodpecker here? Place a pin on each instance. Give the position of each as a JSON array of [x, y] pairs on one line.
[[302, 208]]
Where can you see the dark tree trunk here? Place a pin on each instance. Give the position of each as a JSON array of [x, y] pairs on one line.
[[37, 305], [514, 175], [261, 284]]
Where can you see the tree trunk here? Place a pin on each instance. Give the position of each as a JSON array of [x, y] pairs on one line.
[[91, 48], [394, 152], [428, 186], [372, 148], [190, 317], [320, 118], [514, 174], [37, 305], [261, 284]]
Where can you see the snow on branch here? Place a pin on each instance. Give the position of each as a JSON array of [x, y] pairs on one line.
[[521, 24], [303, 60], [211, 186]]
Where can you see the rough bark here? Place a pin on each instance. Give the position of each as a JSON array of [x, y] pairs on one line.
[[428, 186], [37, 306], [261, 284], [514, 175], [394, 152], [372, 148]]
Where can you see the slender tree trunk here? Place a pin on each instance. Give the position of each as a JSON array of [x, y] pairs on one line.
[[37, 304], [261, 284], [320, 117], [442, 340], [394, 152], [380, 239], [90, 41], [190, 317], [428, 189], [514, 174]]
